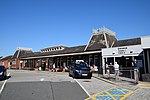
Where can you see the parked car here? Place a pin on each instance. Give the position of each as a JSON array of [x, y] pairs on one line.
[[3, 72], [79, 70]]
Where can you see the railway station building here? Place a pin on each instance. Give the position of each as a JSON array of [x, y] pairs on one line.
[[102, 47]]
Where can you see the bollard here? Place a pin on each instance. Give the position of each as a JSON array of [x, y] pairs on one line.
[[136, 76]]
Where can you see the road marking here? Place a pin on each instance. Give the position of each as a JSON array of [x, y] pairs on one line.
[[114, 93], [82, 88], [42, 79], [4, 84], [146, 85]]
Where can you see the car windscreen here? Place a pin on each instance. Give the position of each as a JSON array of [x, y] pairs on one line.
[[82, 65]]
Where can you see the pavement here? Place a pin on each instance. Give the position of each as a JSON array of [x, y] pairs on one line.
[[124, 89]]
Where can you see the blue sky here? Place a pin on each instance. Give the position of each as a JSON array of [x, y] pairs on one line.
[[38, 24]]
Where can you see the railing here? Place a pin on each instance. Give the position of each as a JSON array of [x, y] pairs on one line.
[[127, 73], [134, 74]]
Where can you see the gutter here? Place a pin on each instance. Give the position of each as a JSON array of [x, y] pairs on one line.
[[90, 52]]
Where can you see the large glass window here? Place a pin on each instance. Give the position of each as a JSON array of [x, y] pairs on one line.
[[51, 61], [96, 62], [58, 62], [91, 60], [61, 62], [68, 61], [72, 59]]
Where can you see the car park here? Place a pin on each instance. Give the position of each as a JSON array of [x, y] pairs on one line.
[[3, 72], [80, 70]]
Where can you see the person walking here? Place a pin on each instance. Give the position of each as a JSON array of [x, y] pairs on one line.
[[116, 67], [107, 70]]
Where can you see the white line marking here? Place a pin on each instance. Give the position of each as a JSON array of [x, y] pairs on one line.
[[4, 84], [83, 88]]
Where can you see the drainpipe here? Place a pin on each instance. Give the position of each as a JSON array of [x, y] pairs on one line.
[[144, 61]]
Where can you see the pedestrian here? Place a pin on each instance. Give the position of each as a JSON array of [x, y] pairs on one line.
[[107, 70], [50, 67], [116, 67], [54, 69]]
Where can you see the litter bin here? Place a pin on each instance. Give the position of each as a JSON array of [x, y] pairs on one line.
[[43, 65]]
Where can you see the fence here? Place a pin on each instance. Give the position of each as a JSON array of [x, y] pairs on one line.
[[130, 73], [126, 73]]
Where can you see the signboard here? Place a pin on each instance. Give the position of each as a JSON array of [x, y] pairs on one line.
[[133, 50], [122, 50]]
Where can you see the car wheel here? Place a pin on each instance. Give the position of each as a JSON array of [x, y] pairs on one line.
[[89, 77], [73, 75]]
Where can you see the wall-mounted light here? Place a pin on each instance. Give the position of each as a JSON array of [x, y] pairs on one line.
[[131, 51], [113, 52]]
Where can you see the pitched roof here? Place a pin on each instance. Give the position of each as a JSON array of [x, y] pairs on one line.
[[127, 42], [7, 57], [21, 52], [67, 50], [99, 39], [96, 42]]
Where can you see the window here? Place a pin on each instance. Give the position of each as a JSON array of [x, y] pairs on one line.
[[14, 62], [96, 62], [91, 60], [72, 59], [68, 61]]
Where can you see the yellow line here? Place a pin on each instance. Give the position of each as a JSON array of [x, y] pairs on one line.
[[87, 99], [93, 98], [102, 91], [122, 91], [144, 85], [110, 95], [126, 95]]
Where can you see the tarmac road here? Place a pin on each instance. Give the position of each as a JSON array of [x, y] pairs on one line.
[[41, 86], [43, 91]]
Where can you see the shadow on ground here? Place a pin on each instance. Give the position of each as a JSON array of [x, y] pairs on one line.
[[2, 79]]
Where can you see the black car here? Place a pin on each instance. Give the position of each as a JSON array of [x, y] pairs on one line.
[[79, 70], [3, 72]]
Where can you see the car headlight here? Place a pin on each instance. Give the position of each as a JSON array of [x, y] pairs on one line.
[[1, 73], [77, 71]]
